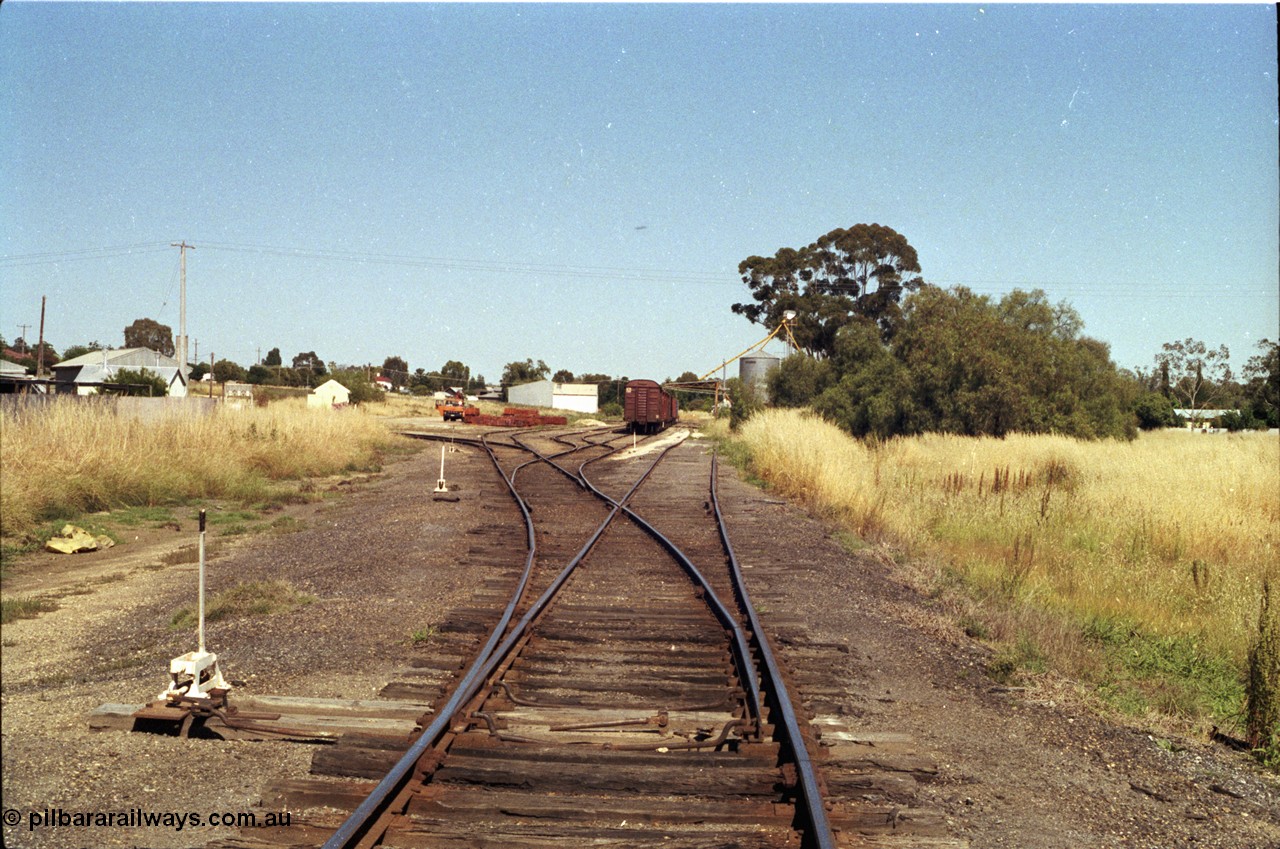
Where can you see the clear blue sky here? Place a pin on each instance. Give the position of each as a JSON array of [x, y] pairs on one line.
[[578, 183]]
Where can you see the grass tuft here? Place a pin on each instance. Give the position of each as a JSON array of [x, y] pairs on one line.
[[253, 598], [24, 607], [424, 635]]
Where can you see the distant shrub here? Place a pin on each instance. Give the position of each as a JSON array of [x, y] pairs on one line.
[[745, 401], [143, 382], [1234, 421], [1155, 411]]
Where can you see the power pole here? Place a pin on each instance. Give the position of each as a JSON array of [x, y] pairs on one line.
[[23, 337], [182, 247], [40, 345], [196, 356]]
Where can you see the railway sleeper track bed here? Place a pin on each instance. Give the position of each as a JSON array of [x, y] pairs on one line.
[[622, 716]]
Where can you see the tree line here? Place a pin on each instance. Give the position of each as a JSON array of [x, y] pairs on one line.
[[883, 353]]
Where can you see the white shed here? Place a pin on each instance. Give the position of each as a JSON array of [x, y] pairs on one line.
[[579, 397], [331, 393]]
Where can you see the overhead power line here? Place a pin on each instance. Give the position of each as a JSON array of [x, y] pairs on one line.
[[479, 265], [50, 257], [1057, 288]]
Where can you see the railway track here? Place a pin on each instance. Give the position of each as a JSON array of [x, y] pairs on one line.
[[627, 696]]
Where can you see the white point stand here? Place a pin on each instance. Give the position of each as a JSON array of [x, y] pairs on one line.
[[200, 666], [441, 486]]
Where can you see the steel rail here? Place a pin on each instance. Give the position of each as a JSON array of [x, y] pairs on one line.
[[355, 826], [806, 772], [741, 645]]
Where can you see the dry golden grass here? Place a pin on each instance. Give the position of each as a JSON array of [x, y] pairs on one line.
[[73, 458], [1173, 532]]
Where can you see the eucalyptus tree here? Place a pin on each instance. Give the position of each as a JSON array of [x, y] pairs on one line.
[[862, 271]]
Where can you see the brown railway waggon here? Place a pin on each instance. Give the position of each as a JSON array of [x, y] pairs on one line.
[[647, 407]]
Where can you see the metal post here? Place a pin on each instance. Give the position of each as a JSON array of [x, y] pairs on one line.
[[202, 582]]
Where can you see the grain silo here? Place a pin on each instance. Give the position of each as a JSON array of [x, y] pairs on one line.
[[754, 371]]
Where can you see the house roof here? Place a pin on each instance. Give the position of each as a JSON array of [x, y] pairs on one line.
[[1201, 414], [331, 386], [121, 358], [9, 369]]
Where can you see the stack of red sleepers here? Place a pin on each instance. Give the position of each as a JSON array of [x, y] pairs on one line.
[[515, 417]]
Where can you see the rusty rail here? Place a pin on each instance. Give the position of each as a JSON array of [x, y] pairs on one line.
[[356, 830]]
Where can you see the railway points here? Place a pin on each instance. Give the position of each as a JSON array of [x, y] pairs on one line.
[[627, 680]]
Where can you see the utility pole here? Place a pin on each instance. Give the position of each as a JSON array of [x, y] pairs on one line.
[[196, 356], [40, 346], [182, 247], [23, 337]]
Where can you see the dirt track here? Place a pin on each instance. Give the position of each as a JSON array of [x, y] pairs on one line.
[[1025, 769]]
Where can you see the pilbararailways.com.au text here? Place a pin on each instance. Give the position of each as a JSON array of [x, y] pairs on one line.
[[139, 818]]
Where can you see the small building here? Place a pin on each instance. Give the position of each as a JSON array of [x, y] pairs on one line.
[[329, 394], [383, 383], [15, 380], [82, 375], [578, 397], [1201, 419]]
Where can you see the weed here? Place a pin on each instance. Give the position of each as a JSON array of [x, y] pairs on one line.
[[227, 517], [134, 516], [24, 607], [850, 542], [424, 635], [1171, 674], [1262, 688], [254, 598], [286, 525], [974, 627], [1011, 661]]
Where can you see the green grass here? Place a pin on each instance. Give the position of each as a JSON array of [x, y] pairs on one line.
[[424, 635], [253, 598], [134, 516], [13, 609], [1174, 675], [850, 541], [1015, 660], [227, 517], [286, 525]]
